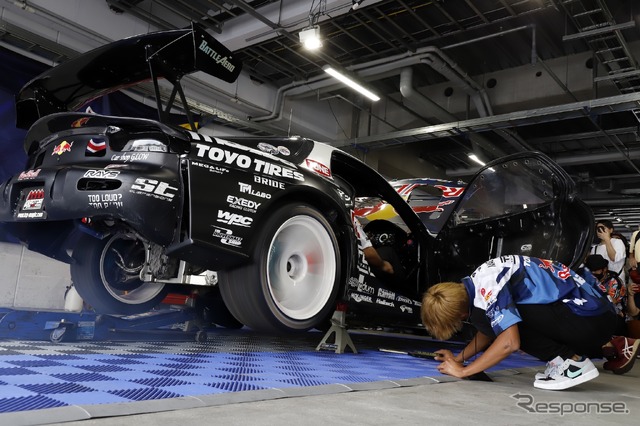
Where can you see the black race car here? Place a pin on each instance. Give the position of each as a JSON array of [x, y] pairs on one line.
[[138, 207]]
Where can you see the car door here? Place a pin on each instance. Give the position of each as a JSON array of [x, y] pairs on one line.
[[523, 204]]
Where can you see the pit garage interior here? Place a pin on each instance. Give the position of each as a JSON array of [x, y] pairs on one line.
[[455, 78]]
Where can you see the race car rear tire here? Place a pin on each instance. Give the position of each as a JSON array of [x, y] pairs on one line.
[[106, 275], [292, 282]]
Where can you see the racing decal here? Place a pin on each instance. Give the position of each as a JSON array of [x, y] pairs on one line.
[[234, 219], [31, 215], [283, 150], [153, 188], [268, 148], [429, 209], [268, 182], [405, 190], [406, 309], [242, 204], [223, 61], [96, 148], [80, 122], [403, 299], [385, 302], [318, 168], [361, 298], [102, 174], [273, 150], [210, 167], [243, 161], [450, 192], [386, 294], [416, 303], [34, 200], [29, 174], [62, 147], [365, 288], [247, 189], [256, 152], [353, 282], [226, 236], [103, 201], [130, 157]]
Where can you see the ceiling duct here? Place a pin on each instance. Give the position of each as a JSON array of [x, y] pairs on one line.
[[425, 104]]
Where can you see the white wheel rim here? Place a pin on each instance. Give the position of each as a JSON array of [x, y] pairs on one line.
[[135, 296], [301, 267]]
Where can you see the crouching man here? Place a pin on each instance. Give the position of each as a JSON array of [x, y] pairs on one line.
[[518, 302]]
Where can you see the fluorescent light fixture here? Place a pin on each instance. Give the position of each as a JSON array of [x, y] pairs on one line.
[[479, 161], [475, 158], [310, 38], [349, 82]]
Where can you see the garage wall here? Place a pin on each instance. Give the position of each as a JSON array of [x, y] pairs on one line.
[[31, 280]]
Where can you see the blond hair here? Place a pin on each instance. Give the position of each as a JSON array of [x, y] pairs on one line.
[[443, 308]]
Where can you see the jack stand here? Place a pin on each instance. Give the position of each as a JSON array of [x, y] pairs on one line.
[[338, 326]]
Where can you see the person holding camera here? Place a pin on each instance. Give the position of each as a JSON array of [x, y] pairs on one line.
[[611, 248]]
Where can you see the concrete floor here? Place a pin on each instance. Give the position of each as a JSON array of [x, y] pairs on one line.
[[508, 400]]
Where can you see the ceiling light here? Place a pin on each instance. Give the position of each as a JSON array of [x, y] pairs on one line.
[[355, 4], [351, 83], [475, 158], [310, 38]]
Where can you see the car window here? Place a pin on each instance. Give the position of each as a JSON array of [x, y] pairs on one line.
[[507, 189], [425, 200]]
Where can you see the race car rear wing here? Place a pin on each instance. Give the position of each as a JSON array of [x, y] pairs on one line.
[[165, 54]]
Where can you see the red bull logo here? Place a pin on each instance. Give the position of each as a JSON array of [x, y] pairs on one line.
[[61, 148], [80, 122]]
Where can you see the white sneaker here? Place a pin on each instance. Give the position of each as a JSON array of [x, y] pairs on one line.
[[551, 366], [568, 374]]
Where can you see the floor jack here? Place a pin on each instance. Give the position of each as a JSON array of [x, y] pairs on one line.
[[339, 329]]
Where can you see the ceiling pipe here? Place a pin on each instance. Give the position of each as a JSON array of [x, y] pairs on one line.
[[369, 71], [391, 65], [442, 64]]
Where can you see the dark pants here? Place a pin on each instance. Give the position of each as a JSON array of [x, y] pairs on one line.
[[547, 331]]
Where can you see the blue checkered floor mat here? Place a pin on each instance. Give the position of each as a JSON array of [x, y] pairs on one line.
[[38, 375]]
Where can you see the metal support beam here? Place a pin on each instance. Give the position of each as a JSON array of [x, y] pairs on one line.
[[598, 31], [600, 106]]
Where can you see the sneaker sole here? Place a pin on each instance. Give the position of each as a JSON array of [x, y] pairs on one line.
[[566, 384], [629, 365]]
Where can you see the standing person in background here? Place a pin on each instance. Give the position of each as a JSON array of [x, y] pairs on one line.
[[634, 255], [611, 248], [622, 349]]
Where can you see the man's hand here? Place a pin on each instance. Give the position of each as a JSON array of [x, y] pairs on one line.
[[452, 367], [386, 267], [444, 354]]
